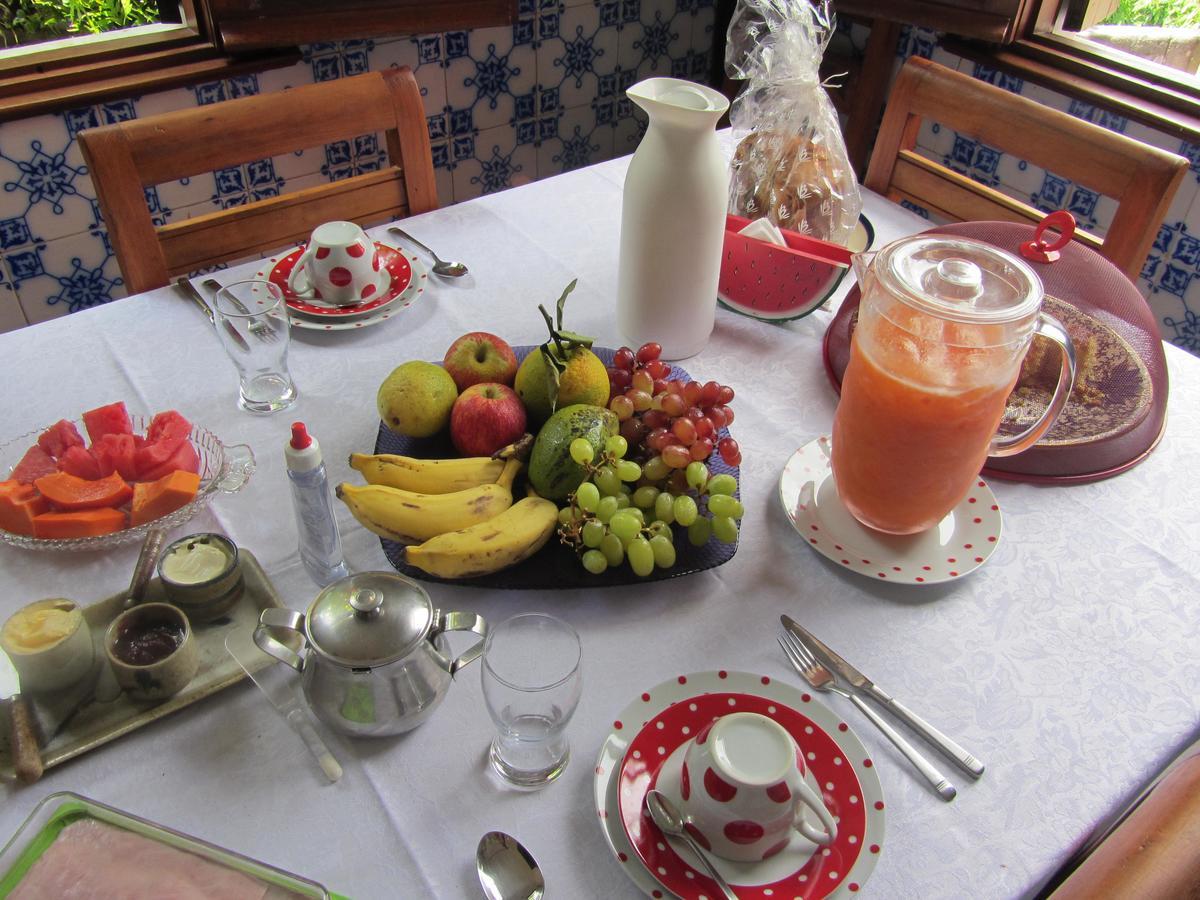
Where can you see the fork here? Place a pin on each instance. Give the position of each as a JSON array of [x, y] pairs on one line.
[[260, 328], [825, 681]]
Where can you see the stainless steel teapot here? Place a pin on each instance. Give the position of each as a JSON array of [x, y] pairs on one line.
[[372, 655]]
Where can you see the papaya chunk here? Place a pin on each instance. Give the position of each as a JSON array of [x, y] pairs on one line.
[[155, 499], [78, 523], [70, 492], [19, 504]]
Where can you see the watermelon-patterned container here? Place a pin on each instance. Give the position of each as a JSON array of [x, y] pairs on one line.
[[778, 283], [60, 811]]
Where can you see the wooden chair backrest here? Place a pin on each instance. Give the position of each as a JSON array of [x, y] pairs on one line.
[[128, 157], [1141, 179]]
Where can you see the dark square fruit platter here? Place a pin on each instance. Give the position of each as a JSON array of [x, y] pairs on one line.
[[635, 517]]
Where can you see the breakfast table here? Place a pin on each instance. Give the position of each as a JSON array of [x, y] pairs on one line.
[[1067, 663]]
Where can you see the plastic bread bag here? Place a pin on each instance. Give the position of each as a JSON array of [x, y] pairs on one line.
[[790, 165]]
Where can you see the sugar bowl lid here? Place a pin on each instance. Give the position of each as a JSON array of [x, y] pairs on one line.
[[369, 619], [960, 279]]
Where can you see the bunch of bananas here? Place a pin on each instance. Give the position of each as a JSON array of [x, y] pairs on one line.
[[457, 516]]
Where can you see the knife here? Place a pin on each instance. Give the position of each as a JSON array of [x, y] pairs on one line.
[[27, 758], [189, 290], [277, 687], [861, 684]]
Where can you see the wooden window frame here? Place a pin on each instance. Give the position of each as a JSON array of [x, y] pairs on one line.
[[218, 39], [1139, 90]]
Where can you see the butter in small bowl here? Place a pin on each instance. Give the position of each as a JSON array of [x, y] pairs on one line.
[[202, 575], [49, 643]]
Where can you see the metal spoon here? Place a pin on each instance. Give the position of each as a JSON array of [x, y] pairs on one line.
[[440, 266], [671, 821], [506, 869]]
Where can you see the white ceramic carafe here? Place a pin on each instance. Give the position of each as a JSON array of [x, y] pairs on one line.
[[673, 219]]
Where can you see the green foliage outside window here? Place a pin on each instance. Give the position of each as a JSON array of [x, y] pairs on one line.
[[1169, 13], [30, 21]]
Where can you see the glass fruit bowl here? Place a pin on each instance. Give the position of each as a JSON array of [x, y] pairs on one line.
[[224, 469]]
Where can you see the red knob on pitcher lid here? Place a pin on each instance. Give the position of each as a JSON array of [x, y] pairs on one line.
[[1041, 250]]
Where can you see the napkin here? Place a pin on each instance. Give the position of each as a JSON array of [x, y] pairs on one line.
[[764, 230]]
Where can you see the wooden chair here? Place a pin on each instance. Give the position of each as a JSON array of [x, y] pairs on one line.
[[1141, 179], [1154, 854], [128, 157]]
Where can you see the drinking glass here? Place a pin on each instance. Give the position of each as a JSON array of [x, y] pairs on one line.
[[531, 685], [252, 321]]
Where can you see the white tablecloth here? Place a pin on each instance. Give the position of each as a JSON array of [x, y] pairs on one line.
[[1068, 663]]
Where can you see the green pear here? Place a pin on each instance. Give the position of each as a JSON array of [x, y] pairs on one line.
[[415, 400]]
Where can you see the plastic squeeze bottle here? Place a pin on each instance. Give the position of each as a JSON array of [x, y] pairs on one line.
[[320, 542]]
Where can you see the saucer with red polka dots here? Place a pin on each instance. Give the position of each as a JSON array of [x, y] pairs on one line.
[[645, 748], [956, 546], [399, 267]]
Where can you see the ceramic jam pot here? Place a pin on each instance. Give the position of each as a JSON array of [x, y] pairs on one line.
[[50, 644], [372, 658]]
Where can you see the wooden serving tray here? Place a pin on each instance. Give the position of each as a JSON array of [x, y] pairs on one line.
[[73, 722]]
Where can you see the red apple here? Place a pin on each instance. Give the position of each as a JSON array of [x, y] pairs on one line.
[[486, 417], [478, 357]]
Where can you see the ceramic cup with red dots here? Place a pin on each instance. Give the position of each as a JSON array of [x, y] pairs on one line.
[[742, 786], [340, 265]]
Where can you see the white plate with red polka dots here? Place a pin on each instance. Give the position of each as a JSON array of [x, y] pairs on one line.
[[408, 279], [957, 546], [644, 750]]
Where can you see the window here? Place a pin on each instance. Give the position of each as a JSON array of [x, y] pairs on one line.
[[56, 53], [1163, 32], [36, 26]]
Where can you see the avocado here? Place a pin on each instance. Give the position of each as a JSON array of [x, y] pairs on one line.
[[552, 472]]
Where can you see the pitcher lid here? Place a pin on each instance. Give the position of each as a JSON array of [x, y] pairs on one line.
[[369, 619], [960, 279]]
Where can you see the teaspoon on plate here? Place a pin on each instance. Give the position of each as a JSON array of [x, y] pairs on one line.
[[671, 821], [440, 266]]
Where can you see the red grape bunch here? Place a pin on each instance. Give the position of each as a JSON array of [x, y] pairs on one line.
[[677, 421]]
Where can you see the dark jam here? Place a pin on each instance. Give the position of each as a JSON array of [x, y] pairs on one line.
[[143, 645]]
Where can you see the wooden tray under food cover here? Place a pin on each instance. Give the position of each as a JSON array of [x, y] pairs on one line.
[[73, 721]]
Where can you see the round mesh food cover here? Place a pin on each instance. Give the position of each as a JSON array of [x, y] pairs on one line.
[[1116, 412]]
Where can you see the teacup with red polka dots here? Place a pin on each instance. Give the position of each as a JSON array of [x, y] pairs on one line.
[[742, 787], [340, 266]]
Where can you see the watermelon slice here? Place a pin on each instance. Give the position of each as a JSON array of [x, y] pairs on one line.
[[167, 432], [59, 437], [79, 461], [184, 458], [115, 453], [33, 465], [111, 419]]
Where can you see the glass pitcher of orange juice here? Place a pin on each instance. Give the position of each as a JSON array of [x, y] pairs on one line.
[[943, 325]]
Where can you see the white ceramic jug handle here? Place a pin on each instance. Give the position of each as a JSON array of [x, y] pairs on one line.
[[296, 269], [813, 802], [1049, 327]]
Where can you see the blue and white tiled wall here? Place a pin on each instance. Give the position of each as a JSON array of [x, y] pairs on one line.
[[1170, 278], [505, 106]]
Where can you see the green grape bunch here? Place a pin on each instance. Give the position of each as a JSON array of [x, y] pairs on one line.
[[623, 512]]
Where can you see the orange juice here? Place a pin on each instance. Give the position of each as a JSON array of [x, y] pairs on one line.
[[913, 426]]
